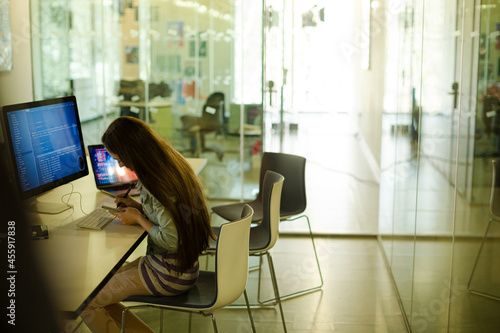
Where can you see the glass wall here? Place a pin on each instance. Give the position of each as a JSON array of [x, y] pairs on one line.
[[162, 60], [437, 146], [184, 67]]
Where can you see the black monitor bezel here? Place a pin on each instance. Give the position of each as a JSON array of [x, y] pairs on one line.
[[10, 148]]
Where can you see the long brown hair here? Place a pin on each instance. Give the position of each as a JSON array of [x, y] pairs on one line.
[[165, 173]]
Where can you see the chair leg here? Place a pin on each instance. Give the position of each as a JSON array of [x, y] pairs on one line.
[[249, 311], [259, 303], [74, 329], [214, 323], [313, 289], [309, 290], [124, 312], [199, 144], [259, 278], [206, 261], [161, 320], [275, 287], [475, 265], [189, 322], [478, 254]]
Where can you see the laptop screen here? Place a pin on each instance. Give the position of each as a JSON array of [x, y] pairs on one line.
[[107, 172]]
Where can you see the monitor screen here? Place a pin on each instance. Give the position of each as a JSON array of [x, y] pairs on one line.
[[45, 142]]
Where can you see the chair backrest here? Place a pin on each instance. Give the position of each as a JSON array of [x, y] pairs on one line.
[[495, 189], [490, 103], [212, 116], [231, 258], [293, 168], [265, 234]]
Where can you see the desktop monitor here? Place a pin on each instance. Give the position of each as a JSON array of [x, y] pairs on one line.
[[45, 147]]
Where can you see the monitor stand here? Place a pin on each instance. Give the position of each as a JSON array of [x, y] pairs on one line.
[[35, 206]]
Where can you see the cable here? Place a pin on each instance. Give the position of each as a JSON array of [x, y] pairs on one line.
[[410, 160], [70, 194], [361, 180]]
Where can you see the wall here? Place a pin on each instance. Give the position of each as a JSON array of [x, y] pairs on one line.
[[16, 85]]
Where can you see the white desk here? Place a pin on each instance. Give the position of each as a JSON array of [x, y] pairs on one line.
[[76, 262]]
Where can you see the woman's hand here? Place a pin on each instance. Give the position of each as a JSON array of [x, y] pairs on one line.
[[127, 201], [130, 215]]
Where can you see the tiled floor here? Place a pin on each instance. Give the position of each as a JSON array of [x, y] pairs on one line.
[[357, 295]]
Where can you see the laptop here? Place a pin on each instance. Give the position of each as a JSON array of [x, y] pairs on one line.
[[109, 177]]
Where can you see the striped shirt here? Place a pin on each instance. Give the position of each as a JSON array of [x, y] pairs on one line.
[[159, 270]]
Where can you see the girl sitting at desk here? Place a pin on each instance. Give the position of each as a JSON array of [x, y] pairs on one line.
[[172, 210]]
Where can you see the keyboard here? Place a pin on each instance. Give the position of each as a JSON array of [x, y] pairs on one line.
[[96, 220]]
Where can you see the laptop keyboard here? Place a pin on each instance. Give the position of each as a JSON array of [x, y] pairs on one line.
[[96, 220]]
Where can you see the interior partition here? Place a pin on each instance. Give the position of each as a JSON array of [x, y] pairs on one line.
[[438, 144]]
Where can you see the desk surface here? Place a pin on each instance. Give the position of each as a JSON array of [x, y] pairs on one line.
[[78, 262]]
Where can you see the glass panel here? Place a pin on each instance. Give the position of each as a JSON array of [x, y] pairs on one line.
[[274, 74], [399, 171], [50, 26], [446, 171], [475, 274], [440, 67], [486, 143], [199, 49], [167, 63], [313, 113], [245, 121], [76, 53]]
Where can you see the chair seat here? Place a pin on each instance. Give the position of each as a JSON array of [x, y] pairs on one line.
[[259, 240], [201, 296], [288, 213], [232, 211]]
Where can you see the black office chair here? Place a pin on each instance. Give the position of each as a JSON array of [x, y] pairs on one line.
[[135, 90], [293, 201], [211, 121], [491, 103], [213, 290], [495, 217]]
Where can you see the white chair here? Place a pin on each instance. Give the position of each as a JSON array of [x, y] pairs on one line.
[[213, 290], [265, 234]]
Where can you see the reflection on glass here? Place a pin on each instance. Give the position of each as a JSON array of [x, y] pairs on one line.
[[435, 186]]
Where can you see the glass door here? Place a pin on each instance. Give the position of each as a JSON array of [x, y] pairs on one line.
[[475, 272], [441, 153], [274, 74], [486, 131], [438, 178]]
